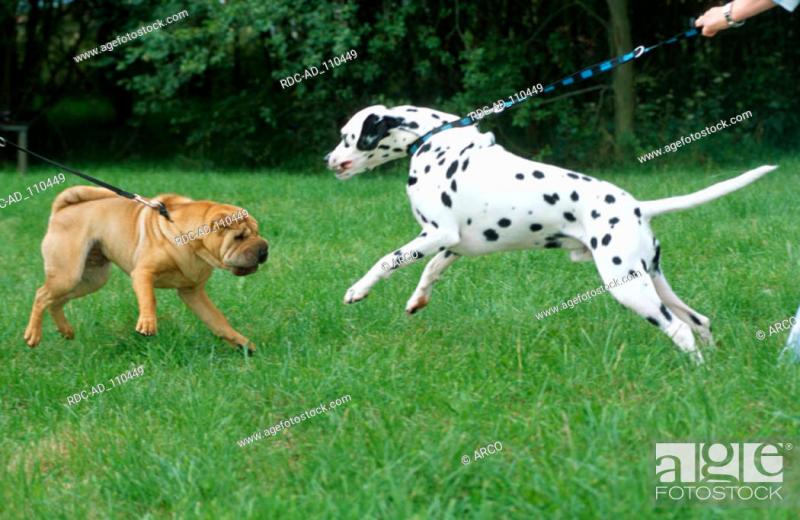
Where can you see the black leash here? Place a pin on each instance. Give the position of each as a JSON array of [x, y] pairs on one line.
[[158, 206], [584, 74]]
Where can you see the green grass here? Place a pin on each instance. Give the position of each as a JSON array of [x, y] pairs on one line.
[[577, 399]]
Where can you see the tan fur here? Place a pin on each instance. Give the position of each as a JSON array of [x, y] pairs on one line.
[[92, 227]]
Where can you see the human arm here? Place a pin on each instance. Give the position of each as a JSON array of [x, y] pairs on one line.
[[713, 20]]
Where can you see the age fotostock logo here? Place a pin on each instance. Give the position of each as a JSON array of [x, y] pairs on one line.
[[715, 472]]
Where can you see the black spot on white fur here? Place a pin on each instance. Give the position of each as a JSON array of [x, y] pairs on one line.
[[491, 235], [656, 259], [446, 200], [551, 199]]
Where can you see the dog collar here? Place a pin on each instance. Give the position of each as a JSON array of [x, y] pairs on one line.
[[413, 147]]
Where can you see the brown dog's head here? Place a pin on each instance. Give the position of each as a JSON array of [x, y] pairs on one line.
[[234, 240]]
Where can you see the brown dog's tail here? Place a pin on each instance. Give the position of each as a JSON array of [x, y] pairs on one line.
[[78, 194]]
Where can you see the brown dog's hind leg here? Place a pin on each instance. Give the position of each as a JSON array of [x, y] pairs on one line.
[[53, 292], [43, 299], [95, 276], [66, 255]]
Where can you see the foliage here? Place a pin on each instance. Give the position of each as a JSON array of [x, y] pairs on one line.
[[214, 79]]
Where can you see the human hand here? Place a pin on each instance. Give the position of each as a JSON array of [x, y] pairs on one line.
[[712, 21]]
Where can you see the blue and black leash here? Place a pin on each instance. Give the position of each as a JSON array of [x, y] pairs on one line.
[[582, 75]]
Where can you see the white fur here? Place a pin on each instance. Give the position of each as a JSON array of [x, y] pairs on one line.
[[503, 202]]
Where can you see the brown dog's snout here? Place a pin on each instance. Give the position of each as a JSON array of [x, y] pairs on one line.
[[263, 253]]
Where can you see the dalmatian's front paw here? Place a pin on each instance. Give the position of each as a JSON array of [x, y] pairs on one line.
[[355, 294], [416, 303]]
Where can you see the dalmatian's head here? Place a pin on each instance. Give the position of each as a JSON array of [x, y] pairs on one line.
[[375, 135]]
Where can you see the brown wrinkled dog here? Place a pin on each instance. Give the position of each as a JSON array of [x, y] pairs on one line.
[[92, 227]]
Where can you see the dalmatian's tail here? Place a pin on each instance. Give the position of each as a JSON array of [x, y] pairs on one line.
[[653, 208]]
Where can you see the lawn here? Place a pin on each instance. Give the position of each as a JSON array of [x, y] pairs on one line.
[[576, 400]]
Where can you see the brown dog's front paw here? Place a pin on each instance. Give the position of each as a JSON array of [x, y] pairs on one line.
[[239, 342], [246, 345], [248, 350], [33, 336], [67, 332], [146, 326]]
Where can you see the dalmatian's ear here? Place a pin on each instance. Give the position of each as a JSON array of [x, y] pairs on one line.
[[374, 129]]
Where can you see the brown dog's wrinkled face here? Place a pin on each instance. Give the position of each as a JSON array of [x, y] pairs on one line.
[[235, 241]]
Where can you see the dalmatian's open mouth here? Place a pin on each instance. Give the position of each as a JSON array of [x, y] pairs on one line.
[[341, 170]]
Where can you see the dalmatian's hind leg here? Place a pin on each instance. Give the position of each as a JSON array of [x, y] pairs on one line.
[[641, 297], [433, 271], [699, 323]]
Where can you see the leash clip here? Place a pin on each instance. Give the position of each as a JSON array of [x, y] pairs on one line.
[[158, 206], [2, 142], [638, 51]]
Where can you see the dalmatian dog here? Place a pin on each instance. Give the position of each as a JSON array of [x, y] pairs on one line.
[[472, 197]]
